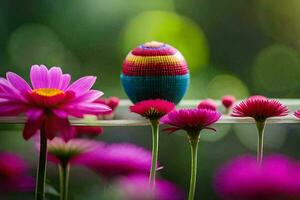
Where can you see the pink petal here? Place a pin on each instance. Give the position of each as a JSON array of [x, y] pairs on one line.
[[60, 113], [82, 85], [34, 122], [55, 77], [55, 125], [90, 96], [11, 108], [18, 82], [65, 81], [39, 76], [9, 90], [93, 108]]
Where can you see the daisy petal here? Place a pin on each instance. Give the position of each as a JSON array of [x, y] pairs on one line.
[[55, 77], [39, 76], [82, 85], [17, 82]]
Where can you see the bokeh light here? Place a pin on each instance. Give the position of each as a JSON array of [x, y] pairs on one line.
[[169, 27], [276, 70], [227, 84], [37, 44], [280, 20], [275, 135]]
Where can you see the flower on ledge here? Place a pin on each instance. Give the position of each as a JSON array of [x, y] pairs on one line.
[[242, 179], [114, 160], [49, 101], [111, 102], [227, 102], [208, 104], [13, 174], [153, 109], [260, 108], [192, 121]]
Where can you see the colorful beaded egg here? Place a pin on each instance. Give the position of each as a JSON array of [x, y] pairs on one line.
[[155, 70]]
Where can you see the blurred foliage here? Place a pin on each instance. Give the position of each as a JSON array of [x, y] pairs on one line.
[[232, 47]]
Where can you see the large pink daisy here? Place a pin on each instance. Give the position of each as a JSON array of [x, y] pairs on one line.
[[49, 101]]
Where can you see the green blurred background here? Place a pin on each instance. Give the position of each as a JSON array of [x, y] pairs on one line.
[[232, 47]]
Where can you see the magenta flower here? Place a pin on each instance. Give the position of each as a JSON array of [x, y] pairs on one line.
[[13, 174], [208, 104], [227, 102], [50, 99], [153, 110], [136, 187], [113, 160], [260, 108], [242, 179], [111, 102], [192, 121]]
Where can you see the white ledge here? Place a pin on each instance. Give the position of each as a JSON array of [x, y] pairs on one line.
[[124, 118]]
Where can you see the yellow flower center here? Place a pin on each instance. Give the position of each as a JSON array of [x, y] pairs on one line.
[[48, 92]]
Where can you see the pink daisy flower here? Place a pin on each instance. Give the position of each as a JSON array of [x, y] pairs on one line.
[[113, 160], [260, 108], [208, 104], [228, 101], [192, 121], [49, 101], [13, 174], [136, 187], [242, 179], [152, 109]]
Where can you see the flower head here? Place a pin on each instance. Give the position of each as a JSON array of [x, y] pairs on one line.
[[113, 160], [259, 108], [297, 113], [243, 179], [60, 151], [136, 187], [190, 119], [152, 109], [228, 101], [13, 176], [208, 104], [49, 101]]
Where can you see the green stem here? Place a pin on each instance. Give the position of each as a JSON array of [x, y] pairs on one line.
[[41, 172], [64, 173], [155, 138], [260, 143], [194, 147]]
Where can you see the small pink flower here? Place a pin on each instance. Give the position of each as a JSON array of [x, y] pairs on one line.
[[297, 114], [136, 187], [13, 176], [114, 160], [49, 101], [208, 104], [228, 101], [190, 119], [152, 109], [111, 102], [259, 108], [87, 131], [60, 151]]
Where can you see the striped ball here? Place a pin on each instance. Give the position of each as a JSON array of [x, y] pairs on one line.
[[155, 70]]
